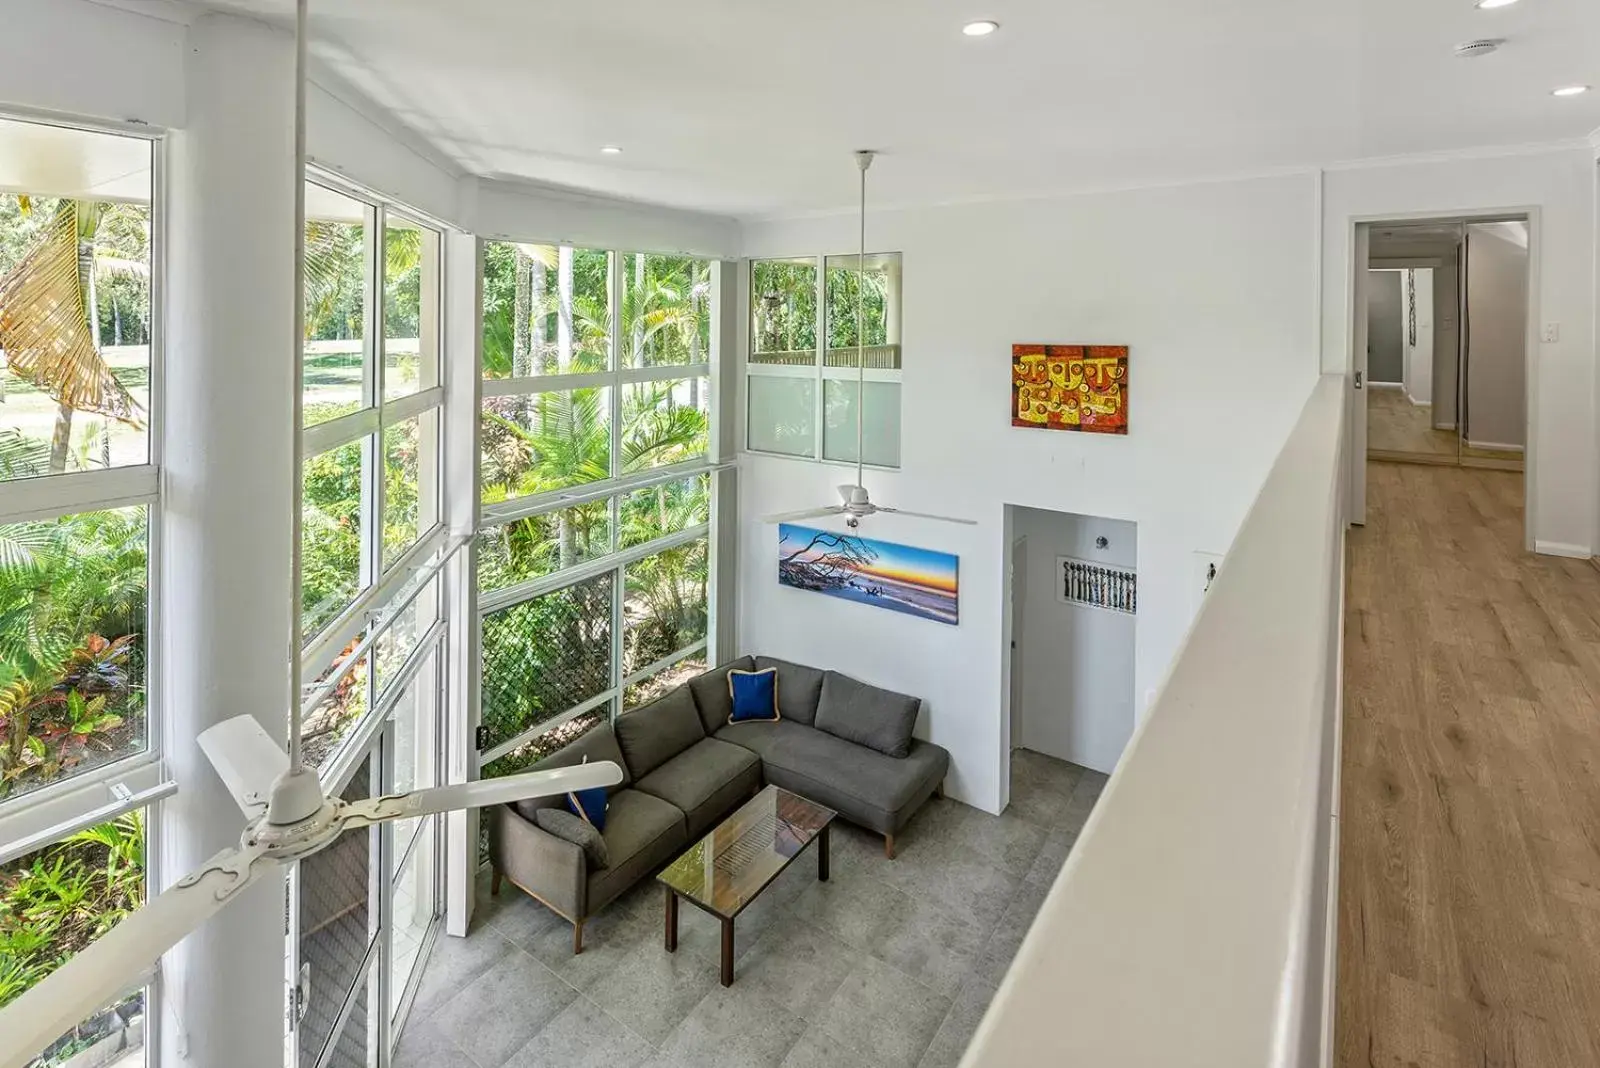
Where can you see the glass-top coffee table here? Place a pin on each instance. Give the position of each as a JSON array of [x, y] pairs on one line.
[[724, 871]]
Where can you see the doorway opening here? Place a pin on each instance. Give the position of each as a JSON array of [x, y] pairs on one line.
[[1443, 322], [1072, 618]]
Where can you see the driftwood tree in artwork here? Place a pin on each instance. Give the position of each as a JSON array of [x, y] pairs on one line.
[[827, 562]]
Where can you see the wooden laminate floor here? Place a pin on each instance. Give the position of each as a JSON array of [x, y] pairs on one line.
[[1395, 425], [1469, 889]]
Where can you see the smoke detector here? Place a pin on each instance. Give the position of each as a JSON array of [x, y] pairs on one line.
[[1481, 47]]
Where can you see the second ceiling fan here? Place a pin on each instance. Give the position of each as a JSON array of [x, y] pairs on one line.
[[855, 503]]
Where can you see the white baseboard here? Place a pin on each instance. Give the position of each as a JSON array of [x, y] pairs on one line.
[[1493, 445], [1444, 426], [1561, 548], [1374, 384], [1419, 403]]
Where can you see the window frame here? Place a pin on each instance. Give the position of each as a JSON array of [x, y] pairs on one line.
[[55, 496], [375, 583], [817, 371], [136, 781], [617, 378], [417, 577]]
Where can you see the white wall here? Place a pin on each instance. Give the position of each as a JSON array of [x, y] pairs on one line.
[[1559, 185], [1497, 337], [1420, 356], [86, 60], [529, 212], [1212, 288], [1077, 662]]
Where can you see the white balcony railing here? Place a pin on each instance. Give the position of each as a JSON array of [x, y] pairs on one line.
[[1191, 924]]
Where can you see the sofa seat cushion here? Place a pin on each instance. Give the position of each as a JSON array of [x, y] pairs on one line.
[[597, 744], [799, 688], [711, 694], [652, 735], [705, 781], [867, 715], [641, 832], [863, 785], [765, 740]]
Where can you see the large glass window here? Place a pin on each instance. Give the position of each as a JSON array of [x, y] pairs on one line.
[[593, 557], [804, 386], [57, 901], [75, 292], [78, 302], [372, 404], [373, 548]]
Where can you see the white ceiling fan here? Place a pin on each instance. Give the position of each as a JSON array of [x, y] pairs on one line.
[[287, 815], [855, 504]]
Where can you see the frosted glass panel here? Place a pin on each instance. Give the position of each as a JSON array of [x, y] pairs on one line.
[[881, 441], [783, 415]]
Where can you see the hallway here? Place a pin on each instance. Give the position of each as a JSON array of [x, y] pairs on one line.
[[1469, 897]]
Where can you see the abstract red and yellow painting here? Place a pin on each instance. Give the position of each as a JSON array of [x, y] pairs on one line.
[[1070, 387]]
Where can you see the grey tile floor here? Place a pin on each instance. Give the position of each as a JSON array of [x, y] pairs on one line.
[[889, 964]]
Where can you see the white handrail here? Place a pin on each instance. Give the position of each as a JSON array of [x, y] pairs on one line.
[[1190, 923]]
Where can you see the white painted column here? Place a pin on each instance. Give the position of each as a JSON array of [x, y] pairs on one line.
[[225, 570], [463, 335]]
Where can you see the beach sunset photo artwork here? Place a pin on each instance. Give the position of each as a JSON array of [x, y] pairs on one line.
[[918, 582]]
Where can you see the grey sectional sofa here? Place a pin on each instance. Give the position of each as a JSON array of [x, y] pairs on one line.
[[840, 742]]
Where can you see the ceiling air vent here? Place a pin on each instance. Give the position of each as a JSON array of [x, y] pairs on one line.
[[1481, 47]]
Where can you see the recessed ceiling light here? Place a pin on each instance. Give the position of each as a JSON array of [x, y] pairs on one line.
[[1488, 5], [1570, 90], [611, 150], [981, 28]]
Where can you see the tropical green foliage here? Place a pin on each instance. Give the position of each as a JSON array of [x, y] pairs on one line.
[[784, 296], [69, 695], [55, 902], [543, 656]]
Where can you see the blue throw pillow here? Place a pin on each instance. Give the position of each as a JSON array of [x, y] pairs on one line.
[[589, 805], [755, 696]]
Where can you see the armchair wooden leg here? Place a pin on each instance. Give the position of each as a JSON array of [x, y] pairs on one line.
[[494, 884], [938, 791], [577, 938], [888, 846]]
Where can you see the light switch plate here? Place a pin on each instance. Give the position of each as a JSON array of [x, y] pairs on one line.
[[1552, 332]]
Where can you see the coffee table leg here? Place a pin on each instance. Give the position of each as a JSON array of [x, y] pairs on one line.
[[672, 921], [822, 855], [727, 952]]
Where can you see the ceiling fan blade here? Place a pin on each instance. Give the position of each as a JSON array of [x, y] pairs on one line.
[[104, 970], [482, 792], [809, 513], [925, 515], [247, 760]]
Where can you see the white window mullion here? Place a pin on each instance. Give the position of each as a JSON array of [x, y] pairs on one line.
[[324, 437], [372, 320], [51, 496], [618, 619], [615, 297], [820, 407], [374, 474]]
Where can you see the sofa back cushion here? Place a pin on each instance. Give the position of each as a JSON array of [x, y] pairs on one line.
[[652, 735], [599, 743], [878, 719], [711, 694], [799, 689]]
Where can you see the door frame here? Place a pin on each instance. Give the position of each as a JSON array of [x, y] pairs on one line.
[[1358, 241]]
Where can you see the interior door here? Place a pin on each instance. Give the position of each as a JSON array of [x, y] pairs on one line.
[[1360, 254], [1019, 587]]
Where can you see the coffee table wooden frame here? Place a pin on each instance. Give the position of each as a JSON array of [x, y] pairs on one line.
[[804, 821]]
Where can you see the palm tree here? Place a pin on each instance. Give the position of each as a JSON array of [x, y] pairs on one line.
[[49, 327]]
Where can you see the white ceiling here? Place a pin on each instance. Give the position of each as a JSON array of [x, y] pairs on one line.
[[753, 106], [56, 161]]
